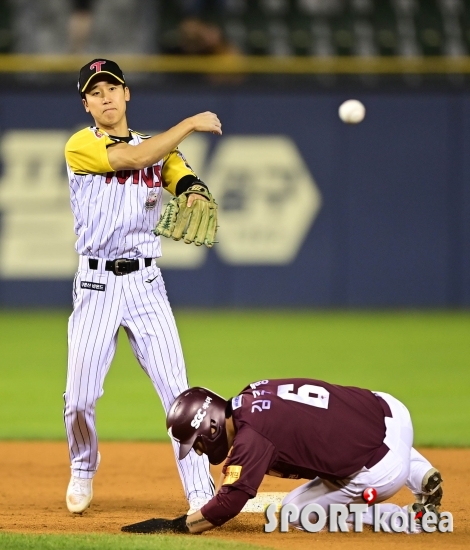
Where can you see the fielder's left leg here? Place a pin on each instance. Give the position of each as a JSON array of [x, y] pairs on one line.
[[150, 325]]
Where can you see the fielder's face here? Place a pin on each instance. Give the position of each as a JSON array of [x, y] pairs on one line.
[[106, 102]]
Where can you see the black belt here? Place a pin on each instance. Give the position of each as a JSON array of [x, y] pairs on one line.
[[121, 266]]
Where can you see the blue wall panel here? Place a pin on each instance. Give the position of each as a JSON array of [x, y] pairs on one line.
[[394, 226]]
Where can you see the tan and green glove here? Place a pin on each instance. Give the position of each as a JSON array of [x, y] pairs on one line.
[[196, 224]]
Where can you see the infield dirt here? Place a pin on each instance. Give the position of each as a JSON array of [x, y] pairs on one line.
[[137, 481]]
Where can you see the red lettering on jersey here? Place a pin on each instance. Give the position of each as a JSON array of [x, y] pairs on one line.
[[157, 170], [97, 65], [123, 176], [147, 176]]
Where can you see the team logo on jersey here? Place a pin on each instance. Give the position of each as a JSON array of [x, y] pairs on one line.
[[232, 474], [237, 402], [151, 177], [98, 133], [151, 201], [93, 286]]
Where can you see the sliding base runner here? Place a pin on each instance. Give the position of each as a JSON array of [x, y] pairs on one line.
[[346, 442]]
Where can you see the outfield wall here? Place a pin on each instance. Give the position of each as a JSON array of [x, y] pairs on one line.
[[312, 212]]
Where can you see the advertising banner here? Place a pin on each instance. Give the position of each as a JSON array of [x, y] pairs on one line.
[[313, 212]]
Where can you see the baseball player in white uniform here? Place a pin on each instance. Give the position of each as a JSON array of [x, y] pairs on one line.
[[116, 178]]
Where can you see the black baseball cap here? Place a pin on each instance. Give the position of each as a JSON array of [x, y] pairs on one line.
[[95, 67]]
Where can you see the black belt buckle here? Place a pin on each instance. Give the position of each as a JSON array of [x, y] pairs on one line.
[[122, 266]]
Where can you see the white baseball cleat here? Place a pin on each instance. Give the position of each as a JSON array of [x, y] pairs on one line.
[[196, 504], [80, 492]]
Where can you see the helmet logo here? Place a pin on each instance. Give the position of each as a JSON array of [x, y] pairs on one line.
[[199, 416]]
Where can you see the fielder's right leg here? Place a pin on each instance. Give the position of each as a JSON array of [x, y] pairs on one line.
[[92, 338]]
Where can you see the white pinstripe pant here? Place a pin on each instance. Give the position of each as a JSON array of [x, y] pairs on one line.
[[402, 465], [142, 308]]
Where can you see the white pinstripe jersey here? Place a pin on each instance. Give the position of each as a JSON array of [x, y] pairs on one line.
[[109, 208]]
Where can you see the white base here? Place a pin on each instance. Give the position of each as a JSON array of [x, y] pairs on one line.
[[262, 500]]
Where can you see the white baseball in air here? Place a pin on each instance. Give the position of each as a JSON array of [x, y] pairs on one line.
[[352, 111]]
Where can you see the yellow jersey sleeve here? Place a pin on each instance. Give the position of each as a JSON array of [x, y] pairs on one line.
[[174, 168], [86, 153]]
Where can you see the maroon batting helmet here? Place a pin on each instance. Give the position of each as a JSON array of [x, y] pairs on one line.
[[199, 414]]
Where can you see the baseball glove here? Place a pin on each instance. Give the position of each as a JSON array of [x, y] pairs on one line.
[[158, 525], [196, 224]]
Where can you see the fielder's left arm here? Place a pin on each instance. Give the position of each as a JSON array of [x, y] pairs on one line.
[[192, 214]]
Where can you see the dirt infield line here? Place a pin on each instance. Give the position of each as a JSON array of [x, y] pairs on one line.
[[139, 480]]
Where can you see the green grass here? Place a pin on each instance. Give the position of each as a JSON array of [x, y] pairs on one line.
[[10, 541], [423, 358]]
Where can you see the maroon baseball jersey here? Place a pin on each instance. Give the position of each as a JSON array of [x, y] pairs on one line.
[[303, 428]]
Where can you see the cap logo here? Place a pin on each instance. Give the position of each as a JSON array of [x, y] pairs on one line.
[[97, 65]]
